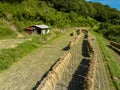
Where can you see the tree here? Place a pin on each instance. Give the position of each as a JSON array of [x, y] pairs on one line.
[[12, 1]]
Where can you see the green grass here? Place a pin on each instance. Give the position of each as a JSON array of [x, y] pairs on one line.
[[113, 66], [57, 35], [5, 30], [11, 55]]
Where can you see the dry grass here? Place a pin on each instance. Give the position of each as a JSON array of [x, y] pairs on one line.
[[74, 76], [116, 45], [54, 75], [25, 73], [10, 43], [30, 70], [92, 68], [102, 78]]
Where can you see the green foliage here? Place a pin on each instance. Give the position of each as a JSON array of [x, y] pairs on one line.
[[12, 1], [112, 64], [110, 31], [5, 30], [61, 13], [81, 11], [10, 55], [41, 12]]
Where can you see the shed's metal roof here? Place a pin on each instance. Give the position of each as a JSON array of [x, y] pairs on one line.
[[41, 26]]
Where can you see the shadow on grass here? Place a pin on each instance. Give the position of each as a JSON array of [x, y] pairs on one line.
[[115, 50]]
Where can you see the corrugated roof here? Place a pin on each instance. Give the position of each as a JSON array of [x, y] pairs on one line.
[[42, 26]]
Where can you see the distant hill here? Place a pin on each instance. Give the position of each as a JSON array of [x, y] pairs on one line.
[[59, 13]]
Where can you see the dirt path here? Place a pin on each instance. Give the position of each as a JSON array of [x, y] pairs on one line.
[[7, 43], [74, 76], [13, 27], [25, 73], [102, 79]]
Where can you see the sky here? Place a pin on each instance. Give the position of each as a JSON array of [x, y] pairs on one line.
[[111, 3]]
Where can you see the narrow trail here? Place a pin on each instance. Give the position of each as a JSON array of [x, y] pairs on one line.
[[102, 78], [13, 27], [10, 43], [74, 76], [27, 72]]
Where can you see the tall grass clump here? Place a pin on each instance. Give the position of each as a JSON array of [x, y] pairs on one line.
[[113, 66]]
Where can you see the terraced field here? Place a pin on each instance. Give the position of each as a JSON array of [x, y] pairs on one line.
[[74, 76], [102, 78], [115, 54], [27, 72]]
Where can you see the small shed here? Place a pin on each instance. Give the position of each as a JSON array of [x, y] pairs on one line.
[[40, 29]]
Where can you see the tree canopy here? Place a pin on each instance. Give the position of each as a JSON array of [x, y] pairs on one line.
[[62, 13]]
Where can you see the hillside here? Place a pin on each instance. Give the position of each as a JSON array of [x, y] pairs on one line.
[[76, 54], [61, 14]]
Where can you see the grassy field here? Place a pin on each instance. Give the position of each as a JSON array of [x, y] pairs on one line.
[[115, 54], [28, 71], [74, 76], [102, 78], [113, 66], [5, 31], [10, 55], [12, 50], [7, 43]]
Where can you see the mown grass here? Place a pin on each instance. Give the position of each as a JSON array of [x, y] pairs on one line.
[[57, 34], [113, 66], [10, 55]]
